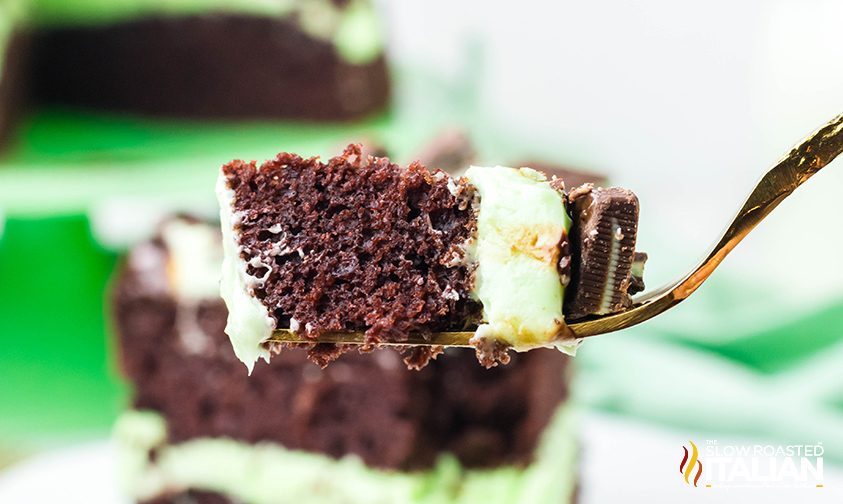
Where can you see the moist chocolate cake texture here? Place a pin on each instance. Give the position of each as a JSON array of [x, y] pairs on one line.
[[360, 244], [354, 245], [363, 430]]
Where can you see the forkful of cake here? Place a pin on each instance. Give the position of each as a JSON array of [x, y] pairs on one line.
[[358, 252]]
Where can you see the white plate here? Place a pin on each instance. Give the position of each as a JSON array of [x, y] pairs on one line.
[[623, 461]]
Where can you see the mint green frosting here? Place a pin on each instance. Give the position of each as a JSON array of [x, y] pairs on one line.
[[521, 221], [249, 325], [354, 29], [268, 473]]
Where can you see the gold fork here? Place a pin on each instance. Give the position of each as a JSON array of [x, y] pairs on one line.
[[803, 161]]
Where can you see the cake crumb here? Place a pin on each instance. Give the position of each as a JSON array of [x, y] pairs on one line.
[[417, 357], [491, 352]]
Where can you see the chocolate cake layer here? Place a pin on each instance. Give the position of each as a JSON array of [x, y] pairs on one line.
[[354, 244], [485, 418], [211, 65], [603, 250], [13, 82]]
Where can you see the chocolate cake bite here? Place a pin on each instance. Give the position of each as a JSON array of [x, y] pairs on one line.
[[363, 430], [363, 245], [351, 245]]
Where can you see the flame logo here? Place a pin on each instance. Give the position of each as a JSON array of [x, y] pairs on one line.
[[686, 468]]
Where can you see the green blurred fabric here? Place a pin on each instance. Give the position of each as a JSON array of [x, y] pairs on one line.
[[56, 371]]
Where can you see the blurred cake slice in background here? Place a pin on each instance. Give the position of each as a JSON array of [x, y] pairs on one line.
[[365, 430], [307, 59]]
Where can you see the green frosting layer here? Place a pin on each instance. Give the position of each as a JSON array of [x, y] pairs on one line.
[[267, 473], [353, 29], [521, 222], [249, 324]]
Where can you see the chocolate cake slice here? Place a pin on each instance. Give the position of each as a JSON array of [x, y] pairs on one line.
[[310, 59], [367, 246], [365, 430]]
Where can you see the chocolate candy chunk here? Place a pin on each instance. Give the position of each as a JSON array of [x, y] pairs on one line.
[[605, 223]]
